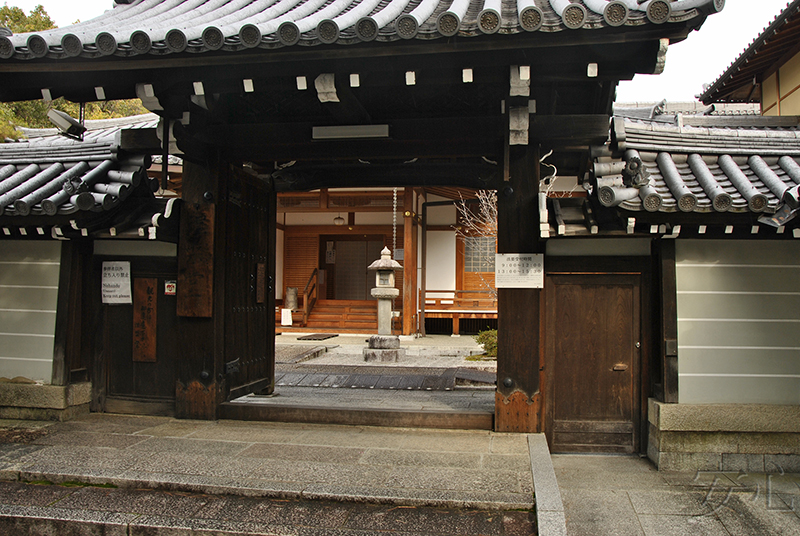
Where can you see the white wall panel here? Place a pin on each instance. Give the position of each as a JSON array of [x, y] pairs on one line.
[[738, 321], [28, 296]]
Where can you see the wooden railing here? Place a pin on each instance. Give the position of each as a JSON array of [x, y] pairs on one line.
[[310, 295], [456, 304]]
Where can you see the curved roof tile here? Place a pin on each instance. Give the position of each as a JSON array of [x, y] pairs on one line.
[[174, 26], [705, 170], [53, 175]]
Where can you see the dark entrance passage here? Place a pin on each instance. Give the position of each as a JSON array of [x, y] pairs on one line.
[[593, 363], [345, 261]]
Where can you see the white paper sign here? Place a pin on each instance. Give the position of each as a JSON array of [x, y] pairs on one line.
[[519, 270], [117, 282]]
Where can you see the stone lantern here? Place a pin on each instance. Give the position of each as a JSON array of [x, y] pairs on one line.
[[384, 346]]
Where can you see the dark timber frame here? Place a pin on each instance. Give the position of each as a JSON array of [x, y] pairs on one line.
[[449, 128]]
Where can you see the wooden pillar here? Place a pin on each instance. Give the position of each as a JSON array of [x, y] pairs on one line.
[[201, 270], [75, 266], [518, 401], [409, 263], [668, 350]]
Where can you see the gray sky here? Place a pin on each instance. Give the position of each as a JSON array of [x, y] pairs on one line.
[[702, 58]]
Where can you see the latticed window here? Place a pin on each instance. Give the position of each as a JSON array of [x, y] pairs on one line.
[[479, 254]]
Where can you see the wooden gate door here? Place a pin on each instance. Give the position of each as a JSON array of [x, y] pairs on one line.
[[593, 366], [249, 310], [140, 345]]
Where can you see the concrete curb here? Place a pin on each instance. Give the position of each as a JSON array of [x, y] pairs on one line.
[[550, 519]]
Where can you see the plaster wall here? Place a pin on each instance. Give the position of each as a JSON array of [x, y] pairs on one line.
[[441, 261], [441, 215], [380, 218], [769, 96], [29, 272], [781, 90], [738, 341], [279, 241]]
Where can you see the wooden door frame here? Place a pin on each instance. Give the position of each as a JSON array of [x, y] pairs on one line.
[[632, 266], [141, 266]]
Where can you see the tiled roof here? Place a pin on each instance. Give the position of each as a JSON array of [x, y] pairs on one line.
[[700, 170], [174, 26], [741, 81], [52, 180]]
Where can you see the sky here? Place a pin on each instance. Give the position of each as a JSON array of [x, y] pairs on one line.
[[698, 60]]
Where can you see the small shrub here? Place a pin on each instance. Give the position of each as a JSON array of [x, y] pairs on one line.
[[488, 339]]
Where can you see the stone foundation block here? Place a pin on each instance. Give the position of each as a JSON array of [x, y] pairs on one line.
[[34, 401], [685, 461], [384, 342], [752, 438], [747, 463], [384, 355]]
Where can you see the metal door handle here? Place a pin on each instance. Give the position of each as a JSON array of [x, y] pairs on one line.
[[620, 367]]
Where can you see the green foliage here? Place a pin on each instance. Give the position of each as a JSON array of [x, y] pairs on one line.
[[488, 339], [17, 21], [33, 114]]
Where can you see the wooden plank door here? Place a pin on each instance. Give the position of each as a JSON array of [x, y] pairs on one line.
[[592, 367], [249, 311], [140, 345]]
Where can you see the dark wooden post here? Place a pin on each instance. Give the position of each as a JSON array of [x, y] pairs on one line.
[[67, 348], [518, 400], [669, 322], [201, 270], [409, 263]]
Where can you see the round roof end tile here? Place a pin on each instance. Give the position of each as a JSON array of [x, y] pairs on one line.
[[531, 19], [49, 207], [176, 40], [652, 202], [328, 31], [616, 13], [407, 27], [85, 201], [140, 42], [723, 202], [447, 24], [659, 11], [574, 16], [687, 203], [72, 45], [367, 29], [38, 46], [212, 38], [288, 33], [250, 35], [106, 43], [758, 203], [489, 21]]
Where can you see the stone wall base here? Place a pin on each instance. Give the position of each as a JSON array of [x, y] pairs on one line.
[[724, 437], [30, 401]]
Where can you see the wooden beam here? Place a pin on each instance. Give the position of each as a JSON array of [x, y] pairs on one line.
[[569, 129], [409, 138]]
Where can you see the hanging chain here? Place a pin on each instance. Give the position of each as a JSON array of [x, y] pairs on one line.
[[394, 222]]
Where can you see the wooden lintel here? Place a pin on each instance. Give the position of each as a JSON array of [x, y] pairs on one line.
[[588, 129], [138, 140]]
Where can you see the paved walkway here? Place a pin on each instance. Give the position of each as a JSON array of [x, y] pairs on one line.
[[626, 496], [237, 473]]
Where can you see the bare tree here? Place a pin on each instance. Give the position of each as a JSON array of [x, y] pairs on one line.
[[478, 219]]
